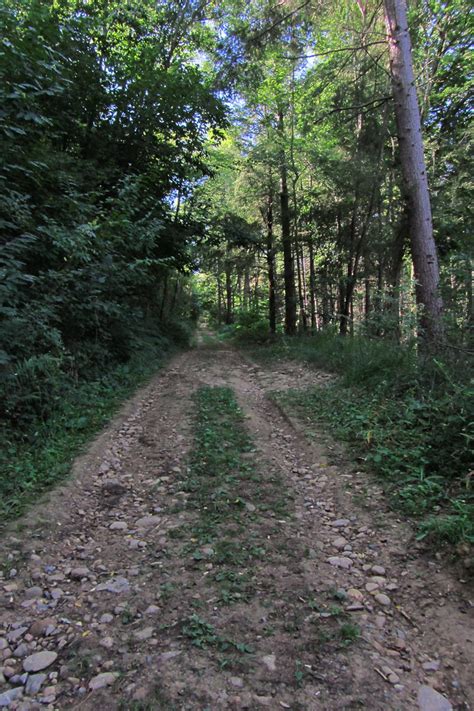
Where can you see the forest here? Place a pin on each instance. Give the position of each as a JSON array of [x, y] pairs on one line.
[[295, 175], [236, 355]]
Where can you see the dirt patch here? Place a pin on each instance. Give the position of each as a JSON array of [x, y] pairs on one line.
[[343, 610]]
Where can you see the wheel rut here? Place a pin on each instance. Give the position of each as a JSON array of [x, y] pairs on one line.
[[339, 608]]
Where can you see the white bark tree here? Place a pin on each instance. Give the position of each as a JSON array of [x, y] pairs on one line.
[[407, 114]]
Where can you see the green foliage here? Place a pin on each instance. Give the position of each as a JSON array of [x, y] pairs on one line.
[[36, 458], [349, 633], [203, 635], [103, 130], [410, 421], [250, 327]]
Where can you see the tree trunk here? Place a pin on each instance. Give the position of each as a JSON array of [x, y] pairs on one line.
[[312, 285], [288, 266], [407, 115], [271, 265], [469, 298], [219, 293], [228, 290]]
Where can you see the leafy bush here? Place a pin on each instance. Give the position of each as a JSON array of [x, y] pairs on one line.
[[250, 327]]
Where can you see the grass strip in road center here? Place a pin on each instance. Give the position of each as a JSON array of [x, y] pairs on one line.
[[224, 484]]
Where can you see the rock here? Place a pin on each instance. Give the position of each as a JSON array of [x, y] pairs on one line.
[[102, 680], [11, 587], [13, 636], [236, 681], [34, 683], [38, 661], [339, 542], [431, 700], [342, 562], [148, 521], [39, 627], [107, 642], [106, 618], [383, 599], [169, 655], [378, 570], [270, 662], [142, 635], [49, 695], [79, 573], [152, 610], [118, 526], [341, 523], [378, 579], [370, 587], [431, 666], [8, 672], [250, 507], [21, 651], [3, 644], [355, 594], [264, 700], [113, 487], [115, 585], [19, 679], [135, 543], [33, 593], [8, 697]]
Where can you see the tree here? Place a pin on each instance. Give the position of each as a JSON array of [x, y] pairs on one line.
[[407, 113]]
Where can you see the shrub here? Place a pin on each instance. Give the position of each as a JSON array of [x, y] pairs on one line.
[[251, 327]]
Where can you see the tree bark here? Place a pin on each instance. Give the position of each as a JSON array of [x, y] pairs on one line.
[[312, 285], [407, 115], [228, 290], [288, 266], [271, 264]]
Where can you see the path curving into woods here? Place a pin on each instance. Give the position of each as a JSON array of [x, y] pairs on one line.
[[312, 596]]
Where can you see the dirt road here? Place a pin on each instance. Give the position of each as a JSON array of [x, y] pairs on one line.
[[105, 602]]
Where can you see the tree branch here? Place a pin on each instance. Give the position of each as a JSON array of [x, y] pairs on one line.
[[331, 51]]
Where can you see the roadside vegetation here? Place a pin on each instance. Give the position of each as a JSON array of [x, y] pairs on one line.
[[409, 420], [41, 453]]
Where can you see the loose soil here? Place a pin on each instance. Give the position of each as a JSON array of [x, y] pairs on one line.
[[342, 609]]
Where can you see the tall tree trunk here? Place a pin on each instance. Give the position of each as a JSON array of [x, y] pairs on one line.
[[164, 296], [327, 302], [407, 114], [228, 290], [469, 298], [312, 285], [271, 264], [301, 299], [288, 266], [367, 299], [219, 293]]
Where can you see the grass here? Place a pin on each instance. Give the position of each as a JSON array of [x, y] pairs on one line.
[[222, 479], [220, 470], [408, 420], [36, 459], [203, 635]]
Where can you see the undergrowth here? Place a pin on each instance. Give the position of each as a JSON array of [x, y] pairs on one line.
[[408, 419], [36, 457]]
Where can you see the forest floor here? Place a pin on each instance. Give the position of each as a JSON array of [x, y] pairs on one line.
[[291, 585]]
